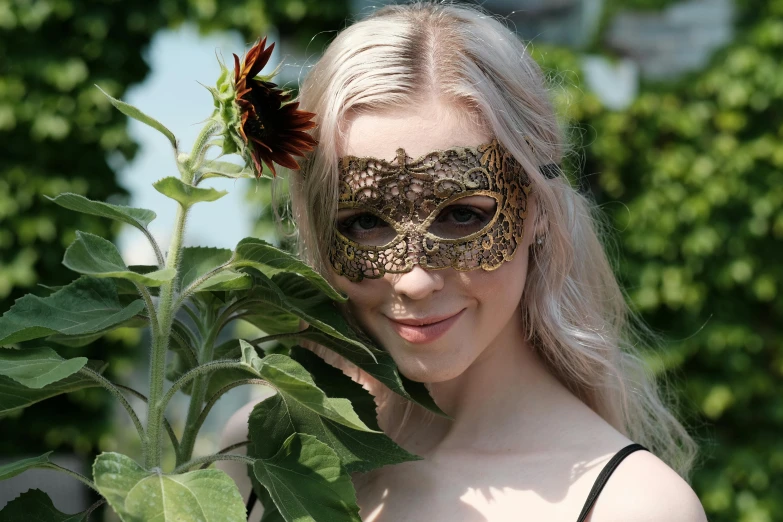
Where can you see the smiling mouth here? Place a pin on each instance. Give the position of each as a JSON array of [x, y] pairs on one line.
[[425, 330]]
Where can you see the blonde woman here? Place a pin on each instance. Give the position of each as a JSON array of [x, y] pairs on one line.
[[435, 202]]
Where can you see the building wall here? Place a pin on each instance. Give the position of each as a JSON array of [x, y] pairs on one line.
[[674, 41]]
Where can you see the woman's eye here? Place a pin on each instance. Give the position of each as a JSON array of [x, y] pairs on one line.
[[456, 221], [366, 229], [360, 222], [366, 221], [462, 215]]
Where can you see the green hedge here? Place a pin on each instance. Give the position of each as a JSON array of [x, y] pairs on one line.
[[691, 176]]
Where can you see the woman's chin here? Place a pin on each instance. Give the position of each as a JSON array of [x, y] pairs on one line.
[[425, 372]]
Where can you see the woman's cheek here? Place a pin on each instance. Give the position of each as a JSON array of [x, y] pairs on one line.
[[364, 299]]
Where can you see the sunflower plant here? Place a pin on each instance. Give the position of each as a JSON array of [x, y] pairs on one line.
[[304, 440]]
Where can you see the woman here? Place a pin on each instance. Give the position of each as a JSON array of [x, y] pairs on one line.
[[434, 201]]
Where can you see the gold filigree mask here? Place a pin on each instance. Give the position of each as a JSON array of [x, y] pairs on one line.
[[461, 208]]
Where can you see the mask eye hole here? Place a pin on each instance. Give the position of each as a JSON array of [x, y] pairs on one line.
[[364, 227], [464, 216]]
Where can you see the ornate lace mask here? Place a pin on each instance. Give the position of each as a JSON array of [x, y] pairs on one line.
[[463, 208]]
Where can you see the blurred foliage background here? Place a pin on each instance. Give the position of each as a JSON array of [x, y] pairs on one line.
[[689, 174], [59, 133]]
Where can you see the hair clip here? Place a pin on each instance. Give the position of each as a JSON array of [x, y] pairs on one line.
[[550, 170]]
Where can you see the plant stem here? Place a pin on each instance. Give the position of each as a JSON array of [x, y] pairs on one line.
[[155, 247], [197, 393], [233, 447], [92, 508], [193, 315], [201, 370], [151, 312], [169, 429], [225, 316], [212, 458], [77, 476], [160, 344], [212, 400], [187, 349], [226, 450], [200, 148], [187, 165], [275, 337], [103, 381], [195, 284]]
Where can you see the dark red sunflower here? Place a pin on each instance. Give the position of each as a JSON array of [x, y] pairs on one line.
[[272, 125]]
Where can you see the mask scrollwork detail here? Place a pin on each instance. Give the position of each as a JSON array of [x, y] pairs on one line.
[[399, 207]]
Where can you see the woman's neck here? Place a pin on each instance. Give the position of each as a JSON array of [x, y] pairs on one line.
[[505, 402]]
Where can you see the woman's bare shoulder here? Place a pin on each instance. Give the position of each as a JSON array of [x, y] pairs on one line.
[[643, 487]]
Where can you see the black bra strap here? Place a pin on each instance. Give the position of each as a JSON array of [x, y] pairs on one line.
[[604, 477]]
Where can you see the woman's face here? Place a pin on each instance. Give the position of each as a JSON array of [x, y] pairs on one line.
[[434, 323]]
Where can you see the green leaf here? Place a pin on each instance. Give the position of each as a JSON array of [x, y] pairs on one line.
[[224, 169], [77, 341], [184, 361], [231, 349], [335, 383], [35, 505], [15, 396], [137, 495], [307, 482], [295, 385], [20, 466], [225, 281], [271, 513], [137, 217], [186, 195], [126, 287], [275, 419], [270, 260], [97, 257], [197, 261], [176, 367], [85, 306], [382, 368], [271, 320], [220, 378], [249, 355], [266, 294], [37, 367], [136, 114], [300, 290], [49, 289]]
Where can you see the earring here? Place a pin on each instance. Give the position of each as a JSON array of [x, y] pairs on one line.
[[540, 240]]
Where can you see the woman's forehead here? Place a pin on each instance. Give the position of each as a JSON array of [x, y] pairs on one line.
[[418, 131]]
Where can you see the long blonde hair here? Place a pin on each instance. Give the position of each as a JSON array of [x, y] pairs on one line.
[[574, 311]]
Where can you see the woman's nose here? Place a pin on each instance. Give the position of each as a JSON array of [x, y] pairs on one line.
[[418, 283]]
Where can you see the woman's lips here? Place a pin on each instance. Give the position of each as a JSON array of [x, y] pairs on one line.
[[423, 330]]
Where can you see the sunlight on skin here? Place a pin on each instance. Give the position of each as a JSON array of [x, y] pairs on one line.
[[492, 503], [377, 511], [487, 506]]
